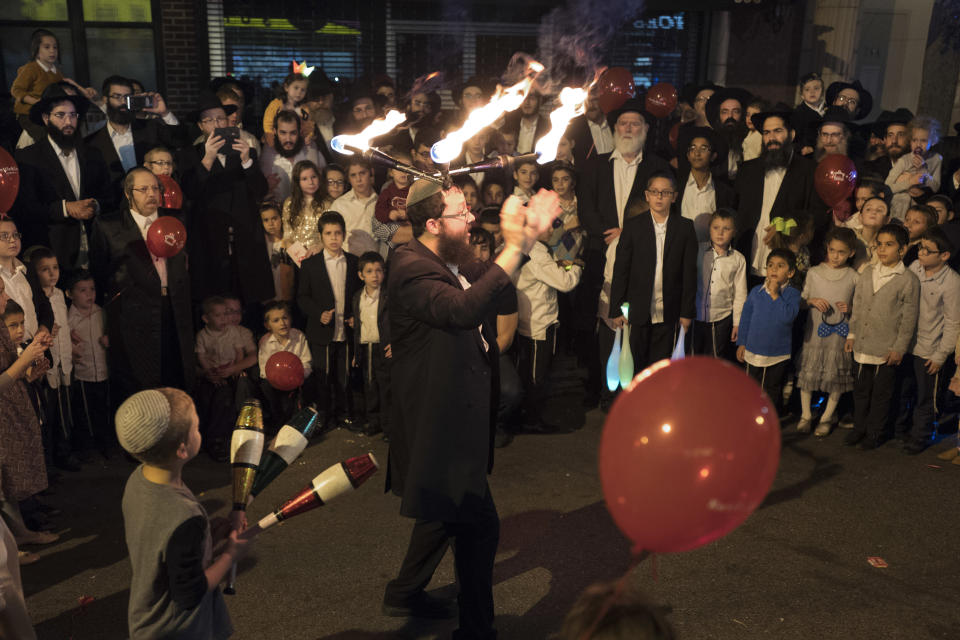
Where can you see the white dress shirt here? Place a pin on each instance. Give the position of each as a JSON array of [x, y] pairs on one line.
[[62, 349], [527, 136], [337, 272], [722, 284], [656, 300], [358, 213], [771, 187], [624, 173], [18, 289], [71, 167], [296, 344], [540, 279], [123, 144], [369, 331], [160, 264], [698, 204], [602, 136]]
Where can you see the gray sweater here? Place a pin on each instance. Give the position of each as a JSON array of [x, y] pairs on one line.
[[168, 536], [884, 321]]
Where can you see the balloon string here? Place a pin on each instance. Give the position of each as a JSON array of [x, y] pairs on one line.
[[638, 555]]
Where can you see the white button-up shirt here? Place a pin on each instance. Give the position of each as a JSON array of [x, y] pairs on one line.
[[698, 204], [369, 330], [771, 187], [18, 289], [337, 272], [722, 287], [358, 213], [526, 137], [602, 136], [143, 223], [296, 344], [537, 287], [624, 173], [656, 301], [71, 166]]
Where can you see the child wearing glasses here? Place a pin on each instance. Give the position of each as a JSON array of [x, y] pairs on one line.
[[924, 368], [160, 161], [655, 271]]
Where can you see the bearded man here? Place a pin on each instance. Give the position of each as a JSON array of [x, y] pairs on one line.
[[726, 112], [891, 128], [126, 139], [288, 149], [63, 184]]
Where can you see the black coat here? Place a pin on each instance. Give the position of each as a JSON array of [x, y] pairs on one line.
[[796, 192], [315, 295], [146, 135], [38, 210], [635, 269], [383, 318], [126, 277], [443, 385], [597, 197], [225, 198], [583, 147]]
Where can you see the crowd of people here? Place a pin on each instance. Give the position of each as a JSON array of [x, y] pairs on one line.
[[719, 234]]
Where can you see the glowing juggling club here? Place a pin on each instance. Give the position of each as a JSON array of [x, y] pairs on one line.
[[626, 353], [613, 363], [337, 480], [246, 447], [284, 449]]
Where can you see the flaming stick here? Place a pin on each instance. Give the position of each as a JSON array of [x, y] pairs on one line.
[[380, 126], [572, 102], [505, 100]]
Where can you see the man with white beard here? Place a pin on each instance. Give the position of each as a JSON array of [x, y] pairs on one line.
[[612, 183]]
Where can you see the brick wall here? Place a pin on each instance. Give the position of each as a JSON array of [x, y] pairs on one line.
[[184, 64]]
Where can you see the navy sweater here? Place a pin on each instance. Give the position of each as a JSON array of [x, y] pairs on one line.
[[766, 325]]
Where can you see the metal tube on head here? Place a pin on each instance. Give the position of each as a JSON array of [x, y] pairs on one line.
[[499, 162], [375, 155]]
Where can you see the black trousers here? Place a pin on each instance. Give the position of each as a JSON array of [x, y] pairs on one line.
[[474, 549], [771, 380], [375, 367], [55, 405], [918, 393], [872, 397], [279, 406], [511, 389], [331, 374], [534, 358], [652, 342], [216, 409], [92, 416], [713, 339]]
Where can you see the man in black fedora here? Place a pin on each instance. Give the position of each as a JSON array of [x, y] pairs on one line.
[[891, 128], [727, 114], [62, 183], [852, 96]]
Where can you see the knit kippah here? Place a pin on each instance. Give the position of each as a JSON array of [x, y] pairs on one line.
[[142, 420], [421, 190]]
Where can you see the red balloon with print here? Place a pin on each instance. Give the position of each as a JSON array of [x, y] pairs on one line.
[[689, 450], [661, 99], [835, 178], [614, 87], [284, 371], [172, 193], [166, 237], [9, 180]]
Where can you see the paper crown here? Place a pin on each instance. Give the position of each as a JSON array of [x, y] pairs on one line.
[[301, 67]]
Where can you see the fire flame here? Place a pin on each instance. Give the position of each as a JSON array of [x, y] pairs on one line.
[[572, 102], [361, 140], [505, 100]]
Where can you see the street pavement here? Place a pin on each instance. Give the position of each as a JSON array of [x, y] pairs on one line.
[[796, 569]]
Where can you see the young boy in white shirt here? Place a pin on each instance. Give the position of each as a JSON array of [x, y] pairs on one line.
[[372, 344], [91, 377], [721, 290], [281, 336], [537, 286]]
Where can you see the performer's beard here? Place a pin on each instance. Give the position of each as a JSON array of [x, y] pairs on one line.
[[454, 249]]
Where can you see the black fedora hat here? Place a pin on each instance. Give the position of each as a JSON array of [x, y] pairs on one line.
[[632, 104], [53, 94], [863, 106], [901, 115], [780, 110], [210, 101], [723, 94]]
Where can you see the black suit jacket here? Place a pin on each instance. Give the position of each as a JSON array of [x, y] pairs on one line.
[[383, 318], [225, 198], [579, 132], [796, 192], [126, 277], [44, 186], [597, 197], [146, 135], [635, 269], [443, 385], [315, 295]]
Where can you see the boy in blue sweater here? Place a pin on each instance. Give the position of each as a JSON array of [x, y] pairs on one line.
[[766, 325]]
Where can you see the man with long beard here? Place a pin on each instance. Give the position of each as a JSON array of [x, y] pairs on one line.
[[63, 185], [833, 134], [288, 149], [125, 140], [446, 366], [726, 111], [610, 181], [774, 185]]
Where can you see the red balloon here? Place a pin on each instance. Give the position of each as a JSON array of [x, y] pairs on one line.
[[172, 193], [166, 237], [674, 135], [9, 180], [661, 99], [614, 87], [835, 179], [678, 473], [284, 371]]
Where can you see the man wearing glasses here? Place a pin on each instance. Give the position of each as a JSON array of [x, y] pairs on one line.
[[147, 298], [125, 140], [63, 184], [220, 175]]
